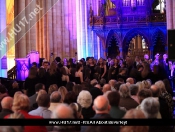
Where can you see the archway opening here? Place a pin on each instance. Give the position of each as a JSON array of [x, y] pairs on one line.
[[137, 47], [113, 48]]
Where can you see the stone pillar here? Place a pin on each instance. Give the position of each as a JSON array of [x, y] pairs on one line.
[[3, 59], [20, 46], [169, 13]]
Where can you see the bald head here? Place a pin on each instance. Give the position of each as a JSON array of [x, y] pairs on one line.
[[112, 82], [63, 111], [7, 102], [130, 80], [106, 88], [155, 91], [55, 97], [101, 105]]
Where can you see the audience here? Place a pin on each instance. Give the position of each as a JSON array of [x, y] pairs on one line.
[[88, 94]]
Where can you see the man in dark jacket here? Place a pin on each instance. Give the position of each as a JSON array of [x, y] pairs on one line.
[[6, 104], [102, 108]]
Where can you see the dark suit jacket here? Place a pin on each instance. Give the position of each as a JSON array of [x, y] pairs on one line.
[[128, 103], [32, 100], [5, 112], [101, 128], [116, 112]]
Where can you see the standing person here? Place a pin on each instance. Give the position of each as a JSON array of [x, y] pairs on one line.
[[31, 81], [116, 66], [53, 77], [79, 74], [91, 65], [103, 68]]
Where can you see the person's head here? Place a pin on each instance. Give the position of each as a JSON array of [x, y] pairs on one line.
[[2, 89], [144, 93], [77, 89], [112, 82], [161, 86], [63, 91], [57, 59], [63, 111], [116, 61], [150, 107], [91, 61], [101, 105], [69, 86], [52, 88], [15, 84], [114, 98], [146, 57], [53, 68], [11, 129], [130, 80], [106, 88], [157, 56], [46, 65], [70, 97], [140, 85], [94, 82], [34, 64], [77, 110], [165, 56], [146, 84], [55, 97], [134, 114], [41, 72], [32, 72], [101, 61], [79, 67], [63, 71], [20, 102], [43, 100], [124, 91], [133, 88], [102, 82], [7, 103], [38, 87], [155, 91], [84, 99]]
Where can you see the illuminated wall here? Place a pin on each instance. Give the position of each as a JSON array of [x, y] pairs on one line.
[[10, 24]]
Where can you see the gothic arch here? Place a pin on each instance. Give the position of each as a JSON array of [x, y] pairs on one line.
[[111, 36], [155, 34], [158, 40], [128, 37]]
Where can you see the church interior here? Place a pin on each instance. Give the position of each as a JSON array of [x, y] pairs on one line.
[[39, 31]]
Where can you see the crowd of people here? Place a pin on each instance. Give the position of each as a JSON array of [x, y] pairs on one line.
[[92, 89]]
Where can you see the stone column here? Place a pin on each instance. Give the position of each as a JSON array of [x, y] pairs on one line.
[[169, 13], [3, 64], [20, 46]]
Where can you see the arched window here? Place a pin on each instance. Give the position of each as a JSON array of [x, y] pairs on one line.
[[126, 2], [140, 2]]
